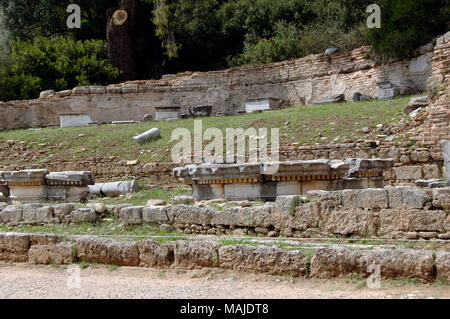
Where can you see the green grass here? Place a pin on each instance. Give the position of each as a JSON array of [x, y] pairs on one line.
[[303, 125]]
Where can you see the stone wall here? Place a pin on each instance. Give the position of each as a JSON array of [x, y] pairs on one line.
[[397, 212], [423, 265], [295, 82]]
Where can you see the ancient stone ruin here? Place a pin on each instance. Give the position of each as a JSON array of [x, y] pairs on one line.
[[41, 185], [252, 181]]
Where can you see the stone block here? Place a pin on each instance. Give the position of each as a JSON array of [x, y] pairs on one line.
[[406, 197], [365, 198], [196, 254], [153, 254], [408, 172], [273, 260]]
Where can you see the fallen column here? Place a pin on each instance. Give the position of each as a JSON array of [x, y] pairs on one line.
[[114, 189]]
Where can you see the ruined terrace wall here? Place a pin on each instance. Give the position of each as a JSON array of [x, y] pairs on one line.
[[296, 82]]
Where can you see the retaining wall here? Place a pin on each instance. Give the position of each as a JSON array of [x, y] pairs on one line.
[[423, 265], [296, 82], [397, 212]]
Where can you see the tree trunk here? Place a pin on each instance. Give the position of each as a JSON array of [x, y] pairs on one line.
[[120, 39]]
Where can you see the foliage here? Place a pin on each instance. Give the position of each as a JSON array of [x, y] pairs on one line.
[[408, 24], [58, 63]]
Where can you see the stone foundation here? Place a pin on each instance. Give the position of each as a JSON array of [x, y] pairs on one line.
[[325, 263]]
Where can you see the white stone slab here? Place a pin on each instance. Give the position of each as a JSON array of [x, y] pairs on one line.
[[446, 153], [74, 120]]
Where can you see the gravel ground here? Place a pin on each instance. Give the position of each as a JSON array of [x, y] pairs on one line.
[[99, 281]]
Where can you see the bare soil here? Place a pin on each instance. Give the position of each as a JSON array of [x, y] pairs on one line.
[[100, 281]]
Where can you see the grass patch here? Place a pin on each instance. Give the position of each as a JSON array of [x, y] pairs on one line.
[[305, 125]]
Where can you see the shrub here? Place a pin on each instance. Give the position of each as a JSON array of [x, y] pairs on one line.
[[58, 63]]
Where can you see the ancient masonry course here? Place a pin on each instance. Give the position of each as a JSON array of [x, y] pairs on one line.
[[308, 80]]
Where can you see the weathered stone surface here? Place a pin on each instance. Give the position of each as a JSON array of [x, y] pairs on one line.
[[81, 215], [441, 197], [153, 254], [44, 239], [348, 222], [196, 254], [157, 214], [335, 98], [69, 178], [107, 251], [446, 156], [431, 171], [365, 198], [392, 220], [60, 253], [155, 202], [62, 210], [244, 216], [45, 215], [131, 215], [408, 172], [12, 215], [443, 265], [182, 200], [188, 214], [394, 263], [97, 89], [81, 90], [415, 103], [288, 203], [46, 94], [14, 247], [406, 197], [273, 260]]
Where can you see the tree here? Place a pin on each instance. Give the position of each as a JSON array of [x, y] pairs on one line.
[[408, 24], [59, 63]]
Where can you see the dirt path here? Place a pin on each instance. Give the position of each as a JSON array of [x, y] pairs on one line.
[[30, 281]]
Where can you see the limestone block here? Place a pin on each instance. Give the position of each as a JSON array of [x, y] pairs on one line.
[[63, 93], [365, 198], [286, 204], [196, 254], [81, 215], [393, 220], [81, 90], [408, 172], [441, 197], [29, 213], [107, 251], [157, 214], [46, 94], [130, 88], [406, 197], [59, 253], [273, 260], [208, 191], [259, 216], [153, 254], [348, 222], [189, 214], [182, 200], [431, 171], [131, 215], [74, 120], [394, 263], [12, 215], [14, 247], [446, 155], [114, 89], [443, 265], [97, 89], [242, 191]]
